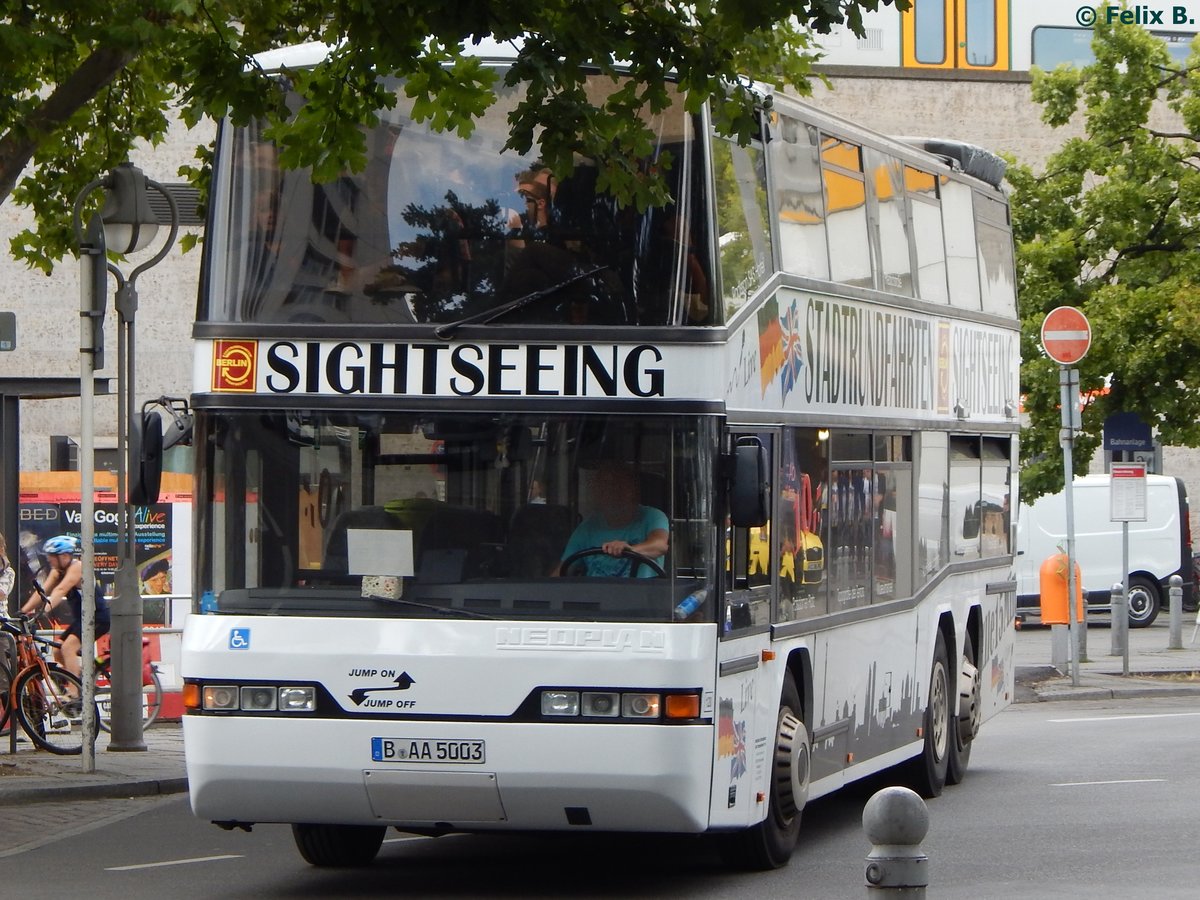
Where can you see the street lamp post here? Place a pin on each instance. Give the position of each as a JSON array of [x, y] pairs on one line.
[[129, 225]]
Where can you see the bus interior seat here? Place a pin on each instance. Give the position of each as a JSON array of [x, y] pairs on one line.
[[537, 535], [457, 543]]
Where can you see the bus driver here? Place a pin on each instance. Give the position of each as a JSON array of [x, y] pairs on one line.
[[621, 522]]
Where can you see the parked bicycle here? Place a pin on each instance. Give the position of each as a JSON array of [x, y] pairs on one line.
[[151, 686], [46, 700]]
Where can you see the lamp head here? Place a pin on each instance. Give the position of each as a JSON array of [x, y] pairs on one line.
[[129, 222]]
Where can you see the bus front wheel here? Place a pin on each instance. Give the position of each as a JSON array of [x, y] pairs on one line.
[[769, 844], [338, 846]]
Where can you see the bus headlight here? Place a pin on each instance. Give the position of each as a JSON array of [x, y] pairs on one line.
[[601, 703], [640, 706], [259, 698], [560, 703], [297, 699], [220, 696]]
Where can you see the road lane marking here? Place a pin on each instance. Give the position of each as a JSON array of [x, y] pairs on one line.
[[174, 862], [1122, 781], [1190, 715]]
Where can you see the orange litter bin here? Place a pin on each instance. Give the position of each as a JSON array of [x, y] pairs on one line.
[[1053, 583]]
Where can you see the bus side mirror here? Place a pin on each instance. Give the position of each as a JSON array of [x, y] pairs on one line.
[[145, 458], [748, 487]]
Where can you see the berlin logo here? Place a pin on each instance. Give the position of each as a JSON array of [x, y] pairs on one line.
[[234, 366]]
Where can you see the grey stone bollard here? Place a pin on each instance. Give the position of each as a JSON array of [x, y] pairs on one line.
[[1120, 625], [896, 821], [1116, 610], [1175, 639]]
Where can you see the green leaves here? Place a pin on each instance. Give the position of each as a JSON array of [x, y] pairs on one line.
[[1113, 226], [195, 59]]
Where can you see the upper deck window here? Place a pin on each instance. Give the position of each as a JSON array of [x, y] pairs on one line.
[[436, 227]]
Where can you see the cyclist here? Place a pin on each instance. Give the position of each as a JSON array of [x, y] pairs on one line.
[[62, 585]]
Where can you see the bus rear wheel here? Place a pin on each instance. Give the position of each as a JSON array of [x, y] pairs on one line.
[[338, 846], [927, 772], [966, 725], [770, 843]]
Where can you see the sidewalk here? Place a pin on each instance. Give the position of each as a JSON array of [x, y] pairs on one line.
[[35, 776], [1153, 669]]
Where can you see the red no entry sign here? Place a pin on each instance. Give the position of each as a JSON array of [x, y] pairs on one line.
[[1066, 335]]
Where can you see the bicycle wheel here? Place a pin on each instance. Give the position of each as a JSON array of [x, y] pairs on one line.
[[151, 699], [49, 708], [5, 692]]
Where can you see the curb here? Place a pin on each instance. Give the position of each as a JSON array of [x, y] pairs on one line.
[[1043, 693], [104, 790]]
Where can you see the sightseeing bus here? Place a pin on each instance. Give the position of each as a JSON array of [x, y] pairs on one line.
[[410, 382]]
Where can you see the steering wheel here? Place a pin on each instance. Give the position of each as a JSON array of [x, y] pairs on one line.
[[635, 560]]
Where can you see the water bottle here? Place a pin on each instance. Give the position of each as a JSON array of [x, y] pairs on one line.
[[690, 604], [208, 603]]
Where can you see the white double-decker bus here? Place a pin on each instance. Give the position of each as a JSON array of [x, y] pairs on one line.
[[409, 385]]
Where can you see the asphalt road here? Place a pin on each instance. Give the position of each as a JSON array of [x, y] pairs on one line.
[[1092, 799]]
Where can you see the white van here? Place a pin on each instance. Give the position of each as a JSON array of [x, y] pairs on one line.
[[1158, 548]]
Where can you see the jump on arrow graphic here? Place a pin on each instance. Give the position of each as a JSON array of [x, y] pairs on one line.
[[403, 683]]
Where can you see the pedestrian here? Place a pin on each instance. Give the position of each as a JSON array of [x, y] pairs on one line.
[[8, 576]]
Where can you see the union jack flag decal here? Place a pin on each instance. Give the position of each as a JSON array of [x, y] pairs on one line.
[[793, 355], [737, 765]]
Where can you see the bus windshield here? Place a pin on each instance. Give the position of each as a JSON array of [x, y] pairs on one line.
[[435, 228], [436, 515]]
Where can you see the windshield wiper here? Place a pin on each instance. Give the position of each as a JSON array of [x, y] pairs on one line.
[[441, 610], [447, 330]]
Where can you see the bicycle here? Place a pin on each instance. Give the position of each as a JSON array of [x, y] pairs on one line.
[[151, 687], [46, 699]]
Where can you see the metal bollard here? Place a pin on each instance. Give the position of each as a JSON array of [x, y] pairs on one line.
[[896, 821], [1120, 625], [1175, 640], [1117, 615]]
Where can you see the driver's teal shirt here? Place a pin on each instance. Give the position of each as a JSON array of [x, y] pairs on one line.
[[594, 531]]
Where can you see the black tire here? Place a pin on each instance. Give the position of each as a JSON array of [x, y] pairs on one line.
[[927, 772], [970, 695], [5, 693], [50, 710], [338, 846], [1145, 600], [770, 843]]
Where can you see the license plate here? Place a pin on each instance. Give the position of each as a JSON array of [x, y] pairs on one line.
[[427, 750]]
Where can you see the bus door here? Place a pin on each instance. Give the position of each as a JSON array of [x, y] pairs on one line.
[[743, 709], [955, 34]]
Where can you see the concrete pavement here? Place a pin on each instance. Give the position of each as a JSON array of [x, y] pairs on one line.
[[34, 776]]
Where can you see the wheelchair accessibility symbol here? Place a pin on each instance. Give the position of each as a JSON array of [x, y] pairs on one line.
[[239, 639]]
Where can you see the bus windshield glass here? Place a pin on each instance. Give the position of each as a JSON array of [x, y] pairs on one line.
[[457, 515], [435, 228]]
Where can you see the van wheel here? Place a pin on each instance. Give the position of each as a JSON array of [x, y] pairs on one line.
[[1144, 601], [966, 726], [926, 774], [769, 844], [338, 846]]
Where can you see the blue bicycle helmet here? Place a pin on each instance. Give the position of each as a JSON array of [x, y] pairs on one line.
[[63, 543]]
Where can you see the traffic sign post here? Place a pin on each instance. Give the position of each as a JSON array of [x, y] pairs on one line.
[[1127, 504], [1066, 338]]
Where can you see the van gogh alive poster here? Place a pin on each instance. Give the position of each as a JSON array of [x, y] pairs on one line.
[[806, 351]]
